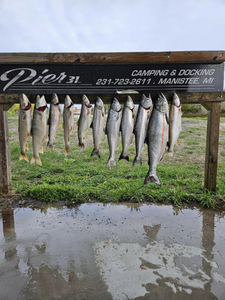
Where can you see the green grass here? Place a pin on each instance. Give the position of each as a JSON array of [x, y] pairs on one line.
[[79, 177]]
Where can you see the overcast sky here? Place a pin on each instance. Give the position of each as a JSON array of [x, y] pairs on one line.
[[111, 25]]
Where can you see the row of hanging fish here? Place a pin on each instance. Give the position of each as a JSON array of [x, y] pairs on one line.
[[151, 128]]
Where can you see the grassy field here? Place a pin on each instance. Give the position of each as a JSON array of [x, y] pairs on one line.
[[79, 178]]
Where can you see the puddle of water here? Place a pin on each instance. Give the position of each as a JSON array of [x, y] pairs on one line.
[[125, 251]]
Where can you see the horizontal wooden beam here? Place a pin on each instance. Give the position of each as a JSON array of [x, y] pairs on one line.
[[114, 58], [189, 98]]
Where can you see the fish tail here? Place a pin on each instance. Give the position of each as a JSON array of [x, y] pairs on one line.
[[49, 147], [81, 145], [26, 147], [23, 156], [137, 161], [36, 160], [152, 178], [170, 153], [95, 152], [111, 162], [126, 157], [67, 150]]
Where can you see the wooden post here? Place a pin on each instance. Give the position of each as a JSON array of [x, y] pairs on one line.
[[212, 140], [5, 163]]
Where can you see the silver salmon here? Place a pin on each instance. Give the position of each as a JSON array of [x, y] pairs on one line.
[[84, 120], [157, 137], [113, 130], [24, 128], [53, 121], [127, 126], [141, 126], [68, 122], [39, 128], [174, 123], [97, 125]]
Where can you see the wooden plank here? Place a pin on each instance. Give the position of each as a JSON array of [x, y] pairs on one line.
[[7, 106], [207, 105], [212, 141], [114, 57], [5, 164], [189, 98]]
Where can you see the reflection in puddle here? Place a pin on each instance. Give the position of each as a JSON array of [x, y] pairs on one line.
[[97, 251]]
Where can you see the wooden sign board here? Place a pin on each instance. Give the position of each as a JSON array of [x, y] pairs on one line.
[[109, 79]]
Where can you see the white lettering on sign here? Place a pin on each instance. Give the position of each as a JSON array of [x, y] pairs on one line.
[[150, 73], [17, 76]]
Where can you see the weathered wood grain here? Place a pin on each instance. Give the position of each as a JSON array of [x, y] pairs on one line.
[[212, 141], [114, 58], [5, 164]]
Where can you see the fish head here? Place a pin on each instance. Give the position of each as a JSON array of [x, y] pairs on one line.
[[129, 103], [41, 104], [161, 103], [55, 99], [24, 102], [68, 101], [146, 102], [99, 103], [176, 100], [115, 105]]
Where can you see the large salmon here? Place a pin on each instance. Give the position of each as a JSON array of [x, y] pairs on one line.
[[39, 128], [127, 126], [53, 121], [141, 126], [68, 122], [174, 123], [24, 125], [84, 120], [98, 125], [113, 130], [157, 137]]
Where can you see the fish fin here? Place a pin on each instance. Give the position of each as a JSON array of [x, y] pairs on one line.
[[23, 156], [111, 162], [24, 117], [95, 152], [26, 147], [41, 150], [167, 119], [137, 161], [103, 114], [91, 126], [152, 179], [49, 147], [124, 157], [81, 145], [36, 161]]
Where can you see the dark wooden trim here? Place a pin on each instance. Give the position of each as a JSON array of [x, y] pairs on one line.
[[5, 163], [185, 97], [114, 58], [212, 141]]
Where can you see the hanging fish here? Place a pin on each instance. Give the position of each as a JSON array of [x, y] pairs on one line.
[[157, 137], [113, 130], [84, 120], [24, 128], [53, 121], [141, 126], [174, 123], [39, 128], [127, 126], [68, 122], [97, 125]]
